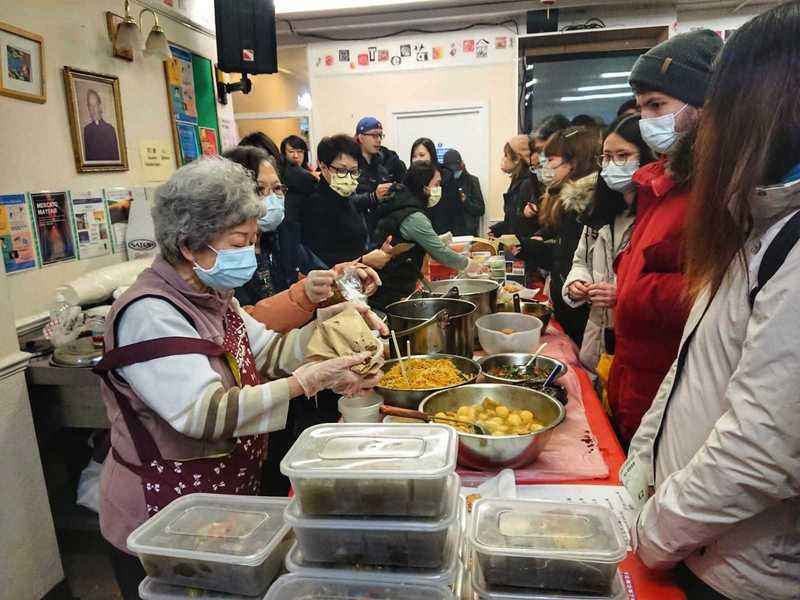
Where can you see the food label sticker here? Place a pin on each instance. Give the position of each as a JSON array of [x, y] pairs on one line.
[[634, 477]]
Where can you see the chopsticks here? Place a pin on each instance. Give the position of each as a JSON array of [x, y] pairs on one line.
[[399, 356]]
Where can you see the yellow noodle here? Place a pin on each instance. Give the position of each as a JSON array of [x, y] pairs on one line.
[[423, 374]]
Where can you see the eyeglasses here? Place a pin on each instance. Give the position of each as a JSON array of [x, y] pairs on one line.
[[619, 160], [377, 136], [343, 172]]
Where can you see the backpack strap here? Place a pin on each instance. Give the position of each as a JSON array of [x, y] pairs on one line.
[[776, 254]]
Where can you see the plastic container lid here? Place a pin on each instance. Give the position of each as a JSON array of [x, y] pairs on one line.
[[531, 528], [479, 587], [302, 587], [241, 530], [379, 451], [150, 589], [446, 576]]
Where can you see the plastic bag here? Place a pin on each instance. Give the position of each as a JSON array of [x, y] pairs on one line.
[[89, 486], [66, 323], [350, 286]]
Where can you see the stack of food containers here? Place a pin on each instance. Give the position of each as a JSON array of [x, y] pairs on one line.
[[377, 503], [532, 550], [231, 544]]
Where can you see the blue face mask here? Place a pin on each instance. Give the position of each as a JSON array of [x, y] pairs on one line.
[[232, 269], [275, 213]]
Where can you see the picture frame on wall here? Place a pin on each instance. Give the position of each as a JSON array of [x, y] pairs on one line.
[[94, 107], [22, 72]]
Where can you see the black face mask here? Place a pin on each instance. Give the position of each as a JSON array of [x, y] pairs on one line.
[[421, 161]]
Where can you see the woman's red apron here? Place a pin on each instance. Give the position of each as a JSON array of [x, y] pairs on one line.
[[164, 480]]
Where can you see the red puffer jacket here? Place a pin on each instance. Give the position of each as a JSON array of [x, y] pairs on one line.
[[651, 306]]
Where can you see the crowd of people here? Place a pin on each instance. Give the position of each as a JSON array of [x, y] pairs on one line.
[[667, 240]]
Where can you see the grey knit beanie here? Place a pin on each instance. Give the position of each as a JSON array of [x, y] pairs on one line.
[[680, 67]]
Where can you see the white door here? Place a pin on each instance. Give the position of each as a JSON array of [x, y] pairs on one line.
[[464, 128]]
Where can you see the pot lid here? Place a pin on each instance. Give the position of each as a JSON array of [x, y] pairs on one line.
[[80, 353]]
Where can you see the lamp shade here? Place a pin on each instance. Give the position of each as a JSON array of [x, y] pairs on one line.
[[157, 44], [128, 37]]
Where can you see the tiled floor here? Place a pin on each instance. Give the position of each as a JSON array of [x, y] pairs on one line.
[[87, 568]]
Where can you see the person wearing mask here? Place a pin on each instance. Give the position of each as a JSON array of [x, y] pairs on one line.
[[192, 384], [516, 163], [527, 218], [403, 218], [607, 230], [719, 449], [445, 216], [332, 226], [470, 196], [670, 83], [570, 176], [375, 180], [281, 256]]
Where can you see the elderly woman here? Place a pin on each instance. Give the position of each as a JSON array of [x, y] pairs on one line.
[[192, 383]]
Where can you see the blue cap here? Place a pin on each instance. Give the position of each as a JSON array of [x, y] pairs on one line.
[[368, 124]]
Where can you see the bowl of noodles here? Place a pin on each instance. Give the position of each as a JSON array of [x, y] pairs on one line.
[[427, 373]]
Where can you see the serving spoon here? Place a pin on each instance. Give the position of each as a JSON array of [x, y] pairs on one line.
[[421, 416]]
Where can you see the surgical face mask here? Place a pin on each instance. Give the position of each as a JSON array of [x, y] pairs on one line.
[[275, 213], [458, 174], [659, 132], [620, 179], [434, 196], [344, 185], [232, 269], [547, 175]]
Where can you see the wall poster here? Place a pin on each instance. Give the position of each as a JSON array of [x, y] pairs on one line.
[[91, 224], [53, 228], [17, 240]]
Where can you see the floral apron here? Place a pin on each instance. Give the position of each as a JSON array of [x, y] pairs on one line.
[[164, 480]]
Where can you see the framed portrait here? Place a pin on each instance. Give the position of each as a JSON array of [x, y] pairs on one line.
[[22, 64], [94, 106]]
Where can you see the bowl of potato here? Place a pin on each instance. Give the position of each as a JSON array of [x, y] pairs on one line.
[[519, 422]]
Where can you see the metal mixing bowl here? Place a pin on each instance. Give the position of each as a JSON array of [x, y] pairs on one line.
[[484, 452], [412, 398], [518, 359]]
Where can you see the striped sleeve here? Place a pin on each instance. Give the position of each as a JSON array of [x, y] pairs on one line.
[[186, 391]]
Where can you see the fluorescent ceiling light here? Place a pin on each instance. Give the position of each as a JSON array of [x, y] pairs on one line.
[[610, 86], [595, 97], [532, 82], [283, 7], [615, 75]]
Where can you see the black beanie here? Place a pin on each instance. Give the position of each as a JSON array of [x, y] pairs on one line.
[[680, 67]]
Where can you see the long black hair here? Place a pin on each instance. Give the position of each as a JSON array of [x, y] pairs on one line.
[[608, 204], [263, 141], [418, 177], [250, 157], [429, 146], [298, 143]]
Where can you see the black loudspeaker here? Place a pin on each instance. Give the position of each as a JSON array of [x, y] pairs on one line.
[[246, 39], [540, 22]]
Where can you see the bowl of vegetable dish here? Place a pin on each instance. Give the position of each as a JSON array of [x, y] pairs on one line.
[[510, 368], [519, 420]]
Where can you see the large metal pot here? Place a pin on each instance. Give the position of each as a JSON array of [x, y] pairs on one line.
[[433, 326], [411, 398], [486, 452], [481, 292]]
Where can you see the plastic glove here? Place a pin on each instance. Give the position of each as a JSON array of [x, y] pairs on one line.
[[335, 375], [370, 280], [323, 314], [319, 286]]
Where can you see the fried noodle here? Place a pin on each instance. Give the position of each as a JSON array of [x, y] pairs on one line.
[[423, 374]]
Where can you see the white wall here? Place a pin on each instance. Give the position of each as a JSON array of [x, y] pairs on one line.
[[35, 138]]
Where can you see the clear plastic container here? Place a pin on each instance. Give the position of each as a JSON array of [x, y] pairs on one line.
[[508, 593], [351, 469], [546, 545], [382, 542], [302, 587], [150, 589], [445, 576], [232, 544]]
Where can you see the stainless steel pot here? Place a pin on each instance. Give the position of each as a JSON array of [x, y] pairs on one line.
[[485, 452], [433, 326], [411, 398], [481, 292]]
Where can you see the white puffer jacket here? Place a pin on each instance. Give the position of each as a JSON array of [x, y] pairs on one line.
[[726, 467], [594, 263]]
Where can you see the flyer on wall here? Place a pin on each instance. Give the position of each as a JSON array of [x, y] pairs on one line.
[[53, 228], [16, 234], [91, 224], [119, 200]]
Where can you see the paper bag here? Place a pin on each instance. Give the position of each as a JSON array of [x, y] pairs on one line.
[[346, 334]]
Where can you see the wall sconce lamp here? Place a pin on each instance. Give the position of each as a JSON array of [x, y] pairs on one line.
[[129, 36]]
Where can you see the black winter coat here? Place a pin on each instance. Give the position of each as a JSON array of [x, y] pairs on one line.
[[519, 192]]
